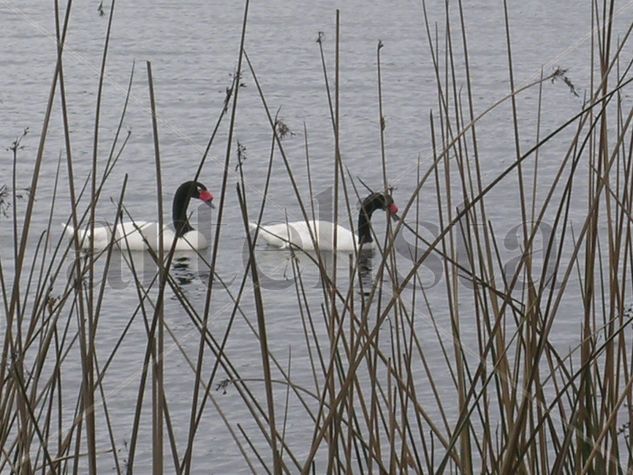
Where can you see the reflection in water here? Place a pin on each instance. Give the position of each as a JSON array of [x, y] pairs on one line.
[[365, 275], [126, 268], [278, 269], [181, 270]]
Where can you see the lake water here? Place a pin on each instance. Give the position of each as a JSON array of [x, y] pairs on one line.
[[193, 46]]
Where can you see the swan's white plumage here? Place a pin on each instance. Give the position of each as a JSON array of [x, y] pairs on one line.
[[297, 233], [144, 235], [305, 234], [136, 236]]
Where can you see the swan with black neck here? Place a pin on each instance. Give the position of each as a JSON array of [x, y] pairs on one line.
[[139, 235], [299, 233]]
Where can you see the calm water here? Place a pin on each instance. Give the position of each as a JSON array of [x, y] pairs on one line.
[[192, 46]]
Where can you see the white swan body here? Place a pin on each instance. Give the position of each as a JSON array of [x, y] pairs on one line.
[[297, 234], [138, 236], [303, 234], [142, 235]]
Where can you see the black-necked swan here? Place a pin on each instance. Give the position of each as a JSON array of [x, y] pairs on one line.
[[297, 233], [136, 235]]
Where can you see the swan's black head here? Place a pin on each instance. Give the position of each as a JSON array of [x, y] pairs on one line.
[[193, 189], [379, 201], [184, 193], [370, 204]]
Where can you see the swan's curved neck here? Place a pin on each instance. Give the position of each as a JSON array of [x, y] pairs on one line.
[[179, 212], [364, 228]]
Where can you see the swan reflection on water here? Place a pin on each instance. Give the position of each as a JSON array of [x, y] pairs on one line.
[[279, 269], [125, 268], [181, 270], [365, 271]]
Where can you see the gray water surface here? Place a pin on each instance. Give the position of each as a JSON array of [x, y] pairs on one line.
[[193, 47]]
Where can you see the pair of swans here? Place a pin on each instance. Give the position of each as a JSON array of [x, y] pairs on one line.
[[139, 235]]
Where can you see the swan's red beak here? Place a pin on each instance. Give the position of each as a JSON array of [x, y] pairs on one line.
[[393, 209], [207, 197]]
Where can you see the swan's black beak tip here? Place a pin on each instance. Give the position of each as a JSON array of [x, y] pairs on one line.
[[395, 217], [210, 204]]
